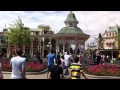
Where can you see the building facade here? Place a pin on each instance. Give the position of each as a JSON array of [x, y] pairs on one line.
[[110, 42], [44, 40]]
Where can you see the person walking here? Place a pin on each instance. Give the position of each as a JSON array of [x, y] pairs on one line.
[[50, 58], [76, 69], [57, 56], [67, 62], [56, 72], [18, 64], [62, 62], [38, 58], [98, 58], [94, 58]]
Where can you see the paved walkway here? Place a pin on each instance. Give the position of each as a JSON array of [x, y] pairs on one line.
[[37, 76]]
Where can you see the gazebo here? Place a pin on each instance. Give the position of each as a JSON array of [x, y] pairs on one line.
[[70, 34]]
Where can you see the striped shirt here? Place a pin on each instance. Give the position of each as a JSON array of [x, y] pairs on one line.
[[76, 70]]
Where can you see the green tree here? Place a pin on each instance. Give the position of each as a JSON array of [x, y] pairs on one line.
[[18, 34]]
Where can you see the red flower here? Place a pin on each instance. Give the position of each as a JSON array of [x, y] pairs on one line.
[[105, 69], [31, 66]]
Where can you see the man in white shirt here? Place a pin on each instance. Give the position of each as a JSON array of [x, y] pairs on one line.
[[18, 64], [67, 62], [62, 62]]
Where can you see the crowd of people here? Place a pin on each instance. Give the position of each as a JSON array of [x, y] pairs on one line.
[[61, 65], [100, 59]]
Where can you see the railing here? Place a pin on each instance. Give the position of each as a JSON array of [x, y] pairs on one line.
[[110, 48]]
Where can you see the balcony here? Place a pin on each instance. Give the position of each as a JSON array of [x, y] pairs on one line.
[[110, 47]]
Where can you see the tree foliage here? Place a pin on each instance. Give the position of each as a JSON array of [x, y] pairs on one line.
[[18, 34]]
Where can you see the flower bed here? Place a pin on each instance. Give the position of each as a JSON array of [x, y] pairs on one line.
[[103, 70], [31, 67]]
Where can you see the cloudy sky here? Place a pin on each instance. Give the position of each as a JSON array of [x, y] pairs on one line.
[[91, 22]]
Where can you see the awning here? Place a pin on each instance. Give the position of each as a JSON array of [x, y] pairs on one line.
[[107, 41], [110, 41]]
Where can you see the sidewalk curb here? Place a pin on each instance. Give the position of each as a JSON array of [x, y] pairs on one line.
[[29, 73], [101, 77]]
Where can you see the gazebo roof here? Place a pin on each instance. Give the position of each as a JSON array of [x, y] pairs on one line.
[[71, 17], [70, 30]]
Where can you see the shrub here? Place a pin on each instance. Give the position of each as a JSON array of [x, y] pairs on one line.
[[104, 70], [31, 66]]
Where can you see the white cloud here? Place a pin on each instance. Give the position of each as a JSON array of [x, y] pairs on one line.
[[91, 22]]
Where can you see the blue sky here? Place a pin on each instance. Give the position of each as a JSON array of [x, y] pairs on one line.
[[91, 22]]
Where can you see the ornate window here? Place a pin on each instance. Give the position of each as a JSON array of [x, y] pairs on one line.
[[110, 44], [113, 34], [110, 34], [45, 31], [70, 24], [36, 33], [107, 35], [106, 44], [113, 44]]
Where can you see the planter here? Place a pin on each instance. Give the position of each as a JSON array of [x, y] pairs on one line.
[[33, 67], [101, 77], [107, 70], [29, 73]]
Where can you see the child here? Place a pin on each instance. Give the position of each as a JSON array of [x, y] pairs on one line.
[[56, 72], [76, 69]]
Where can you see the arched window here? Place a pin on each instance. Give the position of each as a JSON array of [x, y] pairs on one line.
[[113, 44], [106, 44], [36, 33], [70, 24], [110, 44], [113, 34], [107, 35], [110, 34]]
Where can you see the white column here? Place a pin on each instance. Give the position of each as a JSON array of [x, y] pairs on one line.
[[40, 48], [56, 45], [76, 43], [50, 44], [58, 48], [15, 47], [24, 49], [112, 55], [63, 46], [31, 47], [8, 50], [43, 48]]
